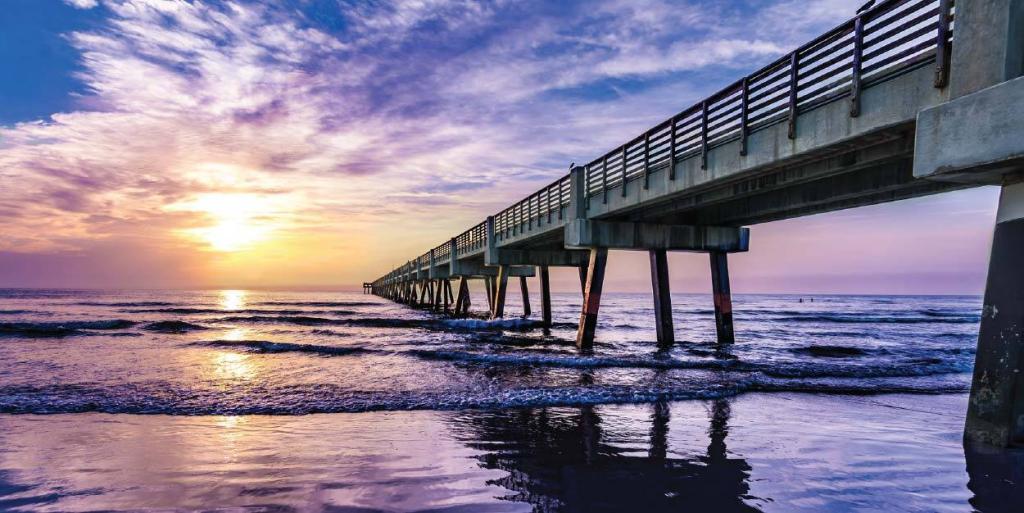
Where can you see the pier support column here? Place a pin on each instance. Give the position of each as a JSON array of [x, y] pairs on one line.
[[462, 300], [447, 293], [438, 291], [583, 279], [662, 297], [489, 289], [500, 287], [526, 296], [995, 412], [722, 296], [592, 298], [545, 296]]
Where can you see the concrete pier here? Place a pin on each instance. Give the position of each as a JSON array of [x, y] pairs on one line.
[[545, 296], [592, 298], [927, 105], [722, 296], [995, 413], [662, 297]]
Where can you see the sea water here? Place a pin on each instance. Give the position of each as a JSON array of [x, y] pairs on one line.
[[274, 401]]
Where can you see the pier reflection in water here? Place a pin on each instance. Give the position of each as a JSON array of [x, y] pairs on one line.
[[564, 459], [754, 452]]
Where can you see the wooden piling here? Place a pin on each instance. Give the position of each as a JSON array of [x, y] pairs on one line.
[[545, 296], [662, 297], [592, 298], [722, 296], [524, 288]]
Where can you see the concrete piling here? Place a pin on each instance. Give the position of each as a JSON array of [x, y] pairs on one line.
[[662, 297], [501, 286], [592, 298], [526, 296], [545, 296], [722, 296], [995, 412]]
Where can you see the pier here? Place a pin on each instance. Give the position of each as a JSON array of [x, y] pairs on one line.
[[906, 99]]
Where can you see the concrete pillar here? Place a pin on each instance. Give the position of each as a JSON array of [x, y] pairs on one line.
[[583, 279], [722, 296], [988, 46], [662, 297], [526, 296], [995, 412], [462, 298], [501, 286], [438, 292], [592, 298], [447, 293], [545, 296], [489, 288]]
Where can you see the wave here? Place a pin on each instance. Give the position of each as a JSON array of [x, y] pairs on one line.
[[14, 312], [173, 327], [266, 346], [247, 311], [124, 303], [830, 351], [319, 304], [390, 322], [60, 329], [912, 367], [879, 319], [170, 399]]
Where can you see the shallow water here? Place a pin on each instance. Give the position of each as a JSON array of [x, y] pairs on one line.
[[509, 418]]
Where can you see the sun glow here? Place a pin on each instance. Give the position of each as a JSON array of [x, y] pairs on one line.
[[240, 220]]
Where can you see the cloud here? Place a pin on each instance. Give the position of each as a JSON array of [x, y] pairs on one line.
[[82, 4], [386, 122]]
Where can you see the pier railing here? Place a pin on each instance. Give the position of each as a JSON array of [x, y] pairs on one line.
[[879, 44]]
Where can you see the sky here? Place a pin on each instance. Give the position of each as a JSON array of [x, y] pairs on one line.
[[319, 143]]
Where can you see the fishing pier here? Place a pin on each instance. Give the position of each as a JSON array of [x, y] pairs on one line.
[[907, 98]]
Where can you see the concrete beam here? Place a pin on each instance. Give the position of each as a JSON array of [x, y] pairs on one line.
[[590, 233], [974, 139], [478, 269], [551, 258]]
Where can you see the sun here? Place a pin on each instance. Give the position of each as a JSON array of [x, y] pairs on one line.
[[239, 221]]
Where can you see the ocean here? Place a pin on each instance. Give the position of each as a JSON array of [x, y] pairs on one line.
[[274, 401]]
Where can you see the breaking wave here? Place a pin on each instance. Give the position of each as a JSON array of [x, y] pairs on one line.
[[60, 329], [266, 346]]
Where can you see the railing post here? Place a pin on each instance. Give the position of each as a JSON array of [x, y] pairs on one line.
[[624, 177], [453, 257], [858, 52], [942, 46], [744, 114], [577, 193], [604, 179], [793, 98], [672, 148], [647, 159], [491, 252], [704, 134]]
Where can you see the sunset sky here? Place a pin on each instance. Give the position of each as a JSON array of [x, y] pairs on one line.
[[318, 143]]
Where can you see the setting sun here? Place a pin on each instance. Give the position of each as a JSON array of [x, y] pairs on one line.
[[239, 220]]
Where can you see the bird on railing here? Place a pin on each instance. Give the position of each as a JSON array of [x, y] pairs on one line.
[[866, 6]]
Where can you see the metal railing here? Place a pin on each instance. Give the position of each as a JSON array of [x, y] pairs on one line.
[[879, 44]]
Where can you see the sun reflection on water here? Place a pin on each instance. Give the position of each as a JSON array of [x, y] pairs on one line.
[[232, 299], [233, 366]]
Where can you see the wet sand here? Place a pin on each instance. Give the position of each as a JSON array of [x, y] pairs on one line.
[[755, 452]]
